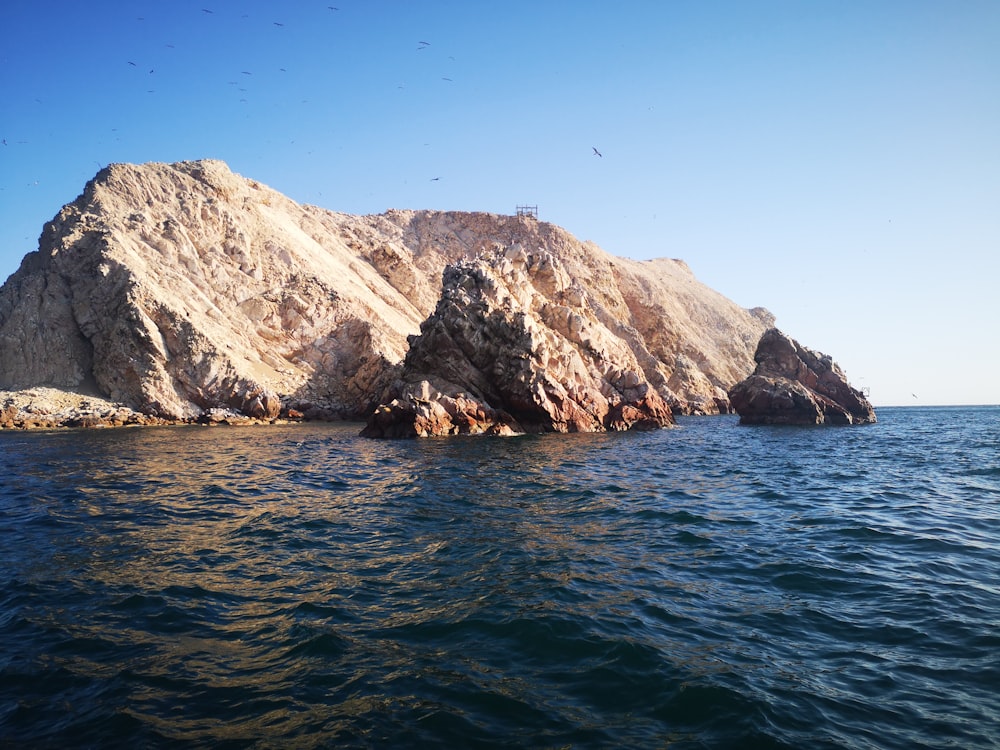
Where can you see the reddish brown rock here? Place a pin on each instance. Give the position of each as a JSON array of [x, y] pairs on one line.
[[514, 347], [795, 385]]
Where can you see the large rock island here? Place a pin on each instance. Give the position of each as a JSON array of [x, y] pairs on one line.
[[184, 290]]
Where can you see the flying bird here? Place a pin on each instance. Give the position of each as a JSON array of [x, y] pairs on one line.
[[205, 10], [596, 152], [435, 179], [131, 63]]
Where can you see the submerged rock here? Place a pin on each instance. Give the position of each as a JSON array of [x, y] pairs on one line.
[[512, 347], [795, 385]]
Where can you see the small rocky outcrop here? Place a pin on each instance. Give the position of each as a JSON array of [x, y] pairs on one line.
[[795, 385], [51, 408], [513, 347], [44, 408]]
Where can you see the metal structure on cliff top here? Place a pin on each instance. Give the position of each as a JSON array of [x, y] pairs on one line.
[[531, 211]]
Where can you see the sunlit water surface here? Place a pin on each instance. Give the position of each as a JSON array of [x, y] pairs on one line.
[[708, 586]]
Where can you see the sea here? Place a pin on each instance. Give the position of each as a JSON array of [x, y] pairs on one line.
[[710, 585]]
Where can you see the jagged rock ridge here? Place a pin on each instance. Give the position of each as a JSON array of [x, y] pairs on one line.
[[512, 347], [180, 288]]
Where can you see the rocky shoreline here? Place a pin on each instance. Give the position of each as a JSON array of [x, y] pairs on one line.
[[52, 408]]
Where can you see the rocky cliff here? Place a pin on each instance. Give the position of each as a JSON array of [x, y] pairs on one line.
[[178, 289]]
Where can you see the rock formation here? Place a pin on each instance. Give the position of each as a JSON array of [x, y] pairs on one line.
[[180, 289], [49, 408], [795, 385], [514, 346]]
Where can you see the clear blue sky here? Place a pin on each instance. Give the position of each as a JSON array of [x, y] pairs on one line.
[[835, 162]]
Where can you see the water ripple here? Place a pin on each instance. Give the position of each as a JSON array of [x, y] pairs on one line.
[[707, 586]]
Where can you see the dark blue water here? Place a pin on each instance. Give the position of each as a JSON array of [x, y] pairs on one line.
[[710, 586]]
